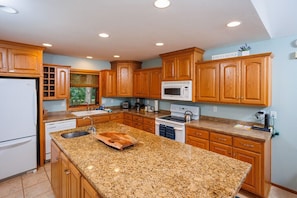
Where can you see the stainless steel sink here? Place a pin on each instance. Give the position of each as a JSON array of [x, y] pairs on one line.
[[74, 134]]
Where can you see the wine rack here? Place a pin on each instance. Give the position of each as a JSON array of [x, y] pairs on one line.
[[49, 82]]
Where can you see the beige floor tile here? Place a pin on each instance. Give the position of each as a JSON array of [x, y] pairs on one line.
[[279, 193], [11, 186], [31, 179], [38, 190]]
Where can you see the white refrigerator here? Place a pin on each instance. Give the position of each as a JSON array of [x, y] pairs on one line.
[[18, 126]]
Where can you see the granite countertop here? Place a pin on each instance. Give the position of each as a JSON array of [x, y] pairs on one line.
[[154, 167]]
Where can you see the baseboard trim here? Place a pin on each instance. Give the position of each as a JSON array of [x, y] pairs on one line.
[[284, 188]]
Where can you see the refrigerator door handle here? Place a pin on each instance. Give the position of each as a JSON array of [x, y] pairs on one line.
[[15, 142], [35, 107]]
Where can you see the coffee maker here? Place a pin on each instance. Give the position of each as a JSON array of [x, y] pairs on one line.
[[137, 105]]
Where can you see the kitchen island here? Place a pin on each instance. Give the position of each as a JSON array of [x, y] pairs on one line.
[[154, 167]]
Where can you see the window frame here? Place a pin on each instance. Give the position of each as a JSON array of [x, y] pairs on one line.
[[84, 72]]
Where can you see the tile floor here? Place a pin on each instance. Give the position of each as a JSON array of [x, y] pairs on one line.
[[33, 185]]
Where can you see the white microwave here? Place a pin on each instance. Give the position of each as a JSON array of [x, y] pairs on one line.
[[177, 90]]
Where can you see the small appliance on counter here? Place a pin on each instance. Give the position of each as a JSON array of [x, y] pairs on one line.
[[266, 124], [125, 105], [137, 105]]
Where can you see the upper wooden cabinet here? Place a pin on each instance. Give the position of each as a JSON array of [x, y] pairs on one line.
[[56, 82], [108, 81], [125, 71], [147, 83], [179, 65], [207, 82], [241, 80], [20, 59]]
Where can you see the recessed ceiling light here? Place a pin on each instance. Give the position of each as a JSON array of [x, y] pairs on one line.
[[159, 44], [47, 44], [103, 35], [7, 9], [89, 57], [116, 56], [162, 3], [233, 24]]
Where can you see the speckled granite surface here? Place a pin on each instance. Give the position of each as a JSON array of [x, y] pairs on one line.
[[154, 167]]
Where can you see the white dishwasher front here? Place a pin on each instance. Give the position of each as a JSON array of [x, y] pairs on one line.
[[53, 127]]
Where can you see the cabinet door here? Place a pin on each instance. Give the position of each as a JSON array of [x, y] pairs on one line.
[[254, 81], [25, 61], [55, 169], [230, 81], [168, 64], [82, 122], [87, 191], [155, 83], [141, 86], [149, 125], [62, 82], [184, 65], [74, 182], [124, 80], [198, 142], [220, 148], [64, 176], [117, 117], [109, 83], [3, 59], [100, 118], [253, 180], [207, 84]]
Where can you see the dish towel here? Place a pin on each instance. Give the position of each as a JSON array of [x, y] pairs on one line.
[[167, 131], [162, 130]]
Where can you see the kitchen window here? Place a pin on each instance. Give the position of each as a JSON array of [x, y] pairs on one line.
[[84, 88]]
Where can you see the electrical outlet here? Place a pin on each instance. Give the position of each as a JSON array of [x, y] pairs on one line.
[[273, 114]]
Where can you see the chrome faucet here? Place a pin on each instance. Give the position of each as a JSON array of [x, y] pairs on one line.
[[91, 128]]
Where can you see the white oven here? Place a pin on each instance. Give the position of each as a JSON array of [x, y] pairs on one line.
[[173, 125], [177, 90]]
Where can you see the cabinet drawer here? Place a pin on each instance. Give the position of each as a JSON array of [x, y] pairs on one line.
[[149, 121], [198, 142], [127, 116], [224, 139], [100, 119], [82, 122], [247, 144], [116, 116], [128, 122], [137, 119], [221, 148], [197, 133], [149, 128], [137, 125]]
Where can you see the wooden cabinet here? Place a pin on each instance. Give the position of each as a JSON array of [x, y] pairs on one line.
[[141, 83], [125, 71], [70, 179], [117, 117], [149, 125], [179, 65], [87, 191], [66, 180], [258, 154], [96, 120], [207, 82], [128, 119], [20, 59], [137, 121], [147, 83], [197, 137], [108, 80], [241, 80], [56, 82], [221, 144]]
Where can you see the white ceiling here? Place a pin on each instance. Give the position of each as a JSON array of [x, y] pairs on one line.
[[72, 26]]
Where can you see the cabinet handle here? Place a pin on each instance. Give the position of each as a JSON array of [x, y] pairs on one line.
[[247, 145], [198, 134], [221, 139], [67, 172]]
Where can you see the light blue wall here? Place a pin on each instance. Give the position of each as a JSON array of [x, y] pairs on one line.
[[284, 94]]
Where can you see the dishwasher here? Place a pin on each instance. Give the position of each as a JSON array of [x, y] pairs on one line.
[[54, 127]]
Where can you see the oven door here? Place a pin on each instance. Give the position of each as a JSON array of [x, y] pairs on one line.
[[178, 130]]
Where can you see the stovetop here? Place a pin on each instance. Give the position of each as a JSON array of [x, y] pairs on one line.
[[173, 118]]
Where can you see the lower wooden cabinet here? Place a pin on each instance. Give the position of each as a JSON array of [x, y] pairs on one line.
[[137, 122], [140, 122], [149, 125], [128, 119], [117, 117], [66, 180], [96, 119], [258, 154], [197, 137]]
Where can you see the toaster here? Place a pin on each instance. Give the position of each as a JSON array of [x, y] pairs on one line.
[[125, 105]]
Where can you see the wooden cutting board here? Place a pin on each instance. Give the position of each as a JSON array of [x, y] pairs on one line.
[[116, 139]]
